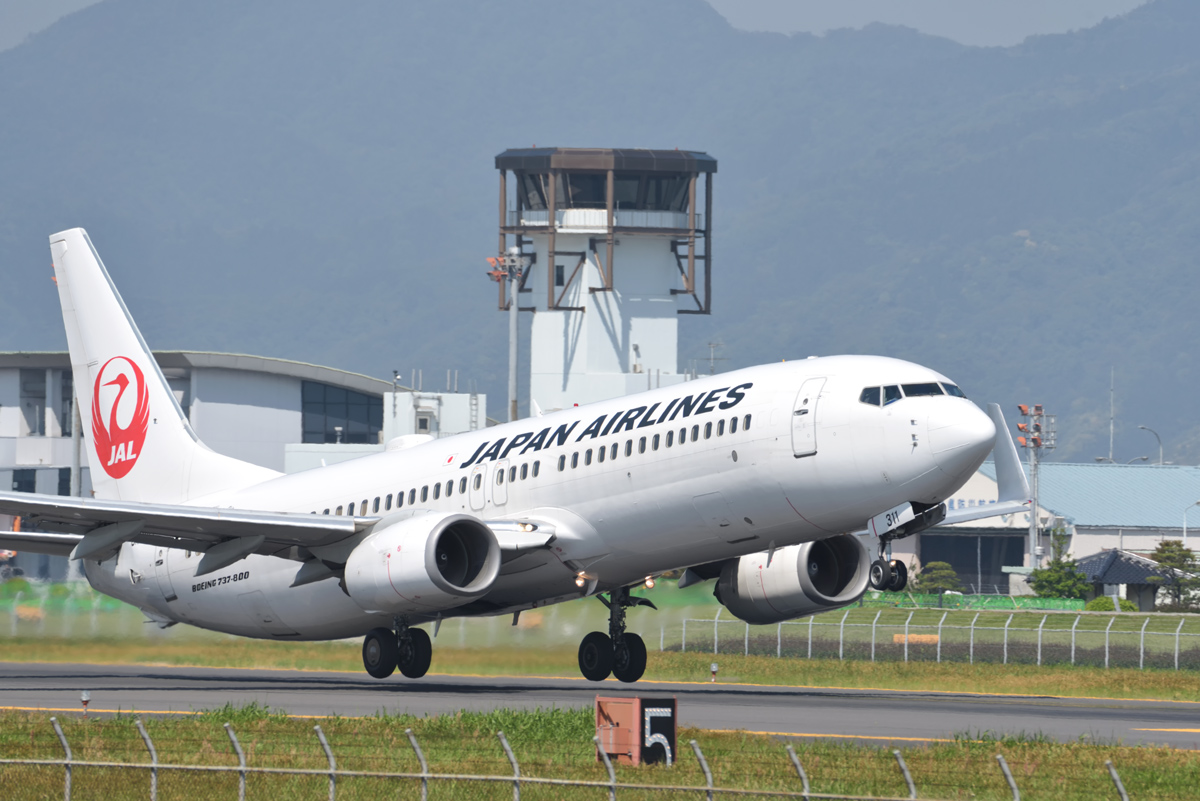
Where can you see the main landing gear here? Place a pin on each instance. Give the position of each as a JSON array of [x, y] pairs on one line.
[[620, 653], [385, 650], [888, 575]]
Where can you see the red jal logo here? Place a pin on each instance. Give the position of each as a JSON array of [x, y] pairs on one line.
[[119, 446]]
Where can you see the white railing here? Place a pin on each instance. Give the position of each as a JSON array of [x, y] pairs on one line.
[[597, 219]]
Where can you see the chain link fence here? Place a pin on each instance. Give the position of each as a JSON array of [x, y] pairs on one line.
[[214, 778]]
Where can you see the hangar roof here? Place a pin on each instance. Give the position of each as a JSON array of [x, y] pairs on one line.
[[1117, 495], [185, 359]]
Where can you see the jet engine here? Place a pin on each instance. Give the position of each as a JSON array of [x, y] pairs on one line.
[[424, 563], [800, 580]]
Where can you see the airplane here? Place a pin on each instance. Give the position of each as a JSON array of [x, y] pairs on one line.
[[784, 482]]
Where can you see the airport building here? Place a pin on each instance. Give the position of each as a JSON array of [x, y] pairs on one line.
[[284, 415]]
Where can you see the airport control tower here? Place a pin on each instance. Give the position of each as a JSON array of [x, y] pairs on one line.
[[626, 251]]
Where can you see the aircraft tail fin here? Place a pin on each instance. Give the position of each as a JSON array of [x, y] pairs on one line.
[[140, 445]]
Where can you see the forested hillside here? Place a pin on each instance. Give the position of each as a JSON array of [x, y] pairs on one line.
[[315, 181]]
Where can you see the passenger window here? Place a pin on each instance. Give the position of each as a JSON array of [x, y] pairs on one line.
[[613, 453], [499, 477], [387, 504], [891, 394], [574, 460], [512, 474], [325, 512], [362, 510], [951, 389], [587, 457], [375, 505], [921, 390], [536, 467], [720, 427], [339, 511], [437, 491], [462, 485], [695, 433], [654, 443], [682, 435], [562, 463], [642, 445], [746, 423], [670, 438], [602, 454], [870, 396], [478, 480], [400, 499], [524, 472], [449, 488], [628, 447], [412, 496], [732, 425], [708, 430], [424, 493]]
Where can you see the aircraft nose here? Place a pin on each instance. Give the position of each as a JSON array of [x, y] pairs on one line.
[[960, 437]]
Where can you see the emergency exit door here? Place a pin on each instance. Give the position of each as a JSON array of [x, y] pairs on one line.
[[804, 418]]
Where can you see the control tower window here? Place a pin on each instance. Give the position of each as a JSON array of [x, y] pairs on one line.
[[585, 191], [922, 390]]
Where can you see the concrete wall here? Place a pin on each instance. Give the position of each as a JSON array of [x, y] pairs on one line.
[[10, 402], [249, 416]]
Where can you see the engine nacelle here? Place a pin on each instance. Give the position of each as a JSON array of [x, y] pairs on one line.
[[801, 580], [424, 563]]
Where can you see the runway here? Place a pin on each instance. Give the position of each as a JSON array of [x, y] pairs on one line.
[[870, 715]]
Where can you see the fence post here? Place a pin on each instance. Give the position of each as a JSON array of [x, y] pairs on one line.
[[62, 738], [939, 637], [516, 768], [1077, 619], [153, 759], [412, 739], [612, 774], [716, 619], [1111, 620], [906, 622], [237, 749], [912, 788], [1040, 625], [332, 763], [1142, 646], [972, 646], [873, 623], [1178, 629], [683, 645], [842, 635], [1008, 777], [1010, 617], [799, 770], [779, 641], [810, 625], [704, 767], [1112, 771], [746, 645]]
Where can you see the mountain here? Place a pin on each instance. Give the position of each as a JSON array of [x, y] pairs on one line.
[[315, 181]]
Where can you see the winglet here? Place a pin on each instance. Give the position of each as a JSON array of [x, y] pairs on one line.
[[1011, 483]]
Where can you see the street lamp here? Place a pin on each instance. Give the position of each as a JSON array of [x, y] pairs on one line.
[[1138, 459], [1187, 509], [1157, 437]]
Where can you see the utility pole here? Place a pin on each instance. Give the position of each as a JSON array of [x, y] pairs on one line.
[[509, 268], [1112, 374], [1038, 433]]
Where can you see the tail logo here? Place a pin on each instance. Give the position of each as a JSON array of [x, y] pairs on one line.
[[118, 447]]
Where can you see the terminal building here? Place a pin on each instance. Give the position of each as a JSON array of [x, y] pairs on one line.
[[284, 415]]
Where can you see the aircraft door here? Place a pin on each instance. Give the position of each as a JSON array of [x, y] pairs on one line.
[[500, 483], [477, 488], [163, 575], [804, 418]]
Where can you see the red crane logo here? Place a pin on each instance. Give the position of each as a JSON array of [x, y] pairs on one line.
[[117, 446]]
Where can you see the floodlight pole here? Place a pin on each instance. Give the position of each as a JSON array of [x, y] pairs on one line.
[[1185, 514], [1157, 437]]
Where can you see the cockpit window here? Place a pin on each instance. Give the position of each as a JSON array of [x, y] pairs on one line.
[[951, 389], [922, 390], [891, 394], [870, 395]]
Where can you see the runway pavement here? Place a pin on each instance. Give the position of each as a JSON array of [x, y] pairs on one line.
[[871, 715]]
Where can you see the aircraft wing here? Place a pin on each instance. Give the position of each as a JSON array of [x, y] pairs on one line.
[[91, 528]]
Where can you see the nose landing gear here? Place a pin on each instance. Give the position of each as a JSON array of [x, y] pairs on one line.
[[619, 653], [385, 650]]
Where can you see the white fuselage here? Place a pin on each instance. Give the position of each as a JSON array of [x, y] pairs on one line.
[[651, 508]]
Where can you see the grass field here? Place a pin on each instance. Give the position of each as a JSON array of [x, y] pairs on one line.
[[664, 666], [552, 743]]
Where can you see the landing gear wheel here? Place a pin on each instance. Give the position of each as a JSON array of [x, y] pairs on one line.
[[380, 651], [596, 656], [629, 658], [416, 652], [881, 575], [899, 576]]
